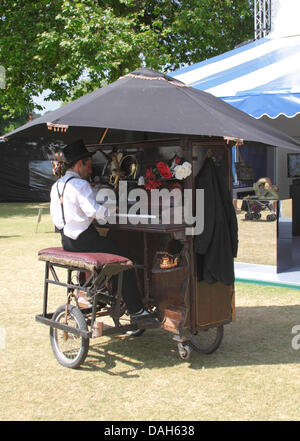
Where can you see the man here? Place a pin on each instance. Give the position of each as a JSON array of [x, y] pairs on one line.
[[73, 208]]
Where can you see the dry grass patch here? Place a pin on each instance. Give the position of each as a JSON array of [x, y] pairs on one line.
[[257, 240], [254, 375]]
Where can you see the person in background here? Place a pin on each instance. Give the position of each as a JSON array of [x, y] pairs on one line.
[[267, 189]]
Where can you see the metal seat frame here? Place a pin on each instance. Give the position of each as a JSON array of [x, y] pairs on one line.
[[95, 289]]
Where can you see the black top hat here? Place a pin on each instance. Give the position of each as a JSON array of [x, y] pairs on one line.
[[75, 151]]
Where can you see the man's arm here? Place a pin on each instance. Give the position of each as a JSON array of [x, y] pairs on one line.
[[88, 204]]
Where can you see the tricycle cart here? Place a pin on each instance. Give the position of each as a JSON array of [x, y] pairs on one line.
[[154, 116], [193, 311]]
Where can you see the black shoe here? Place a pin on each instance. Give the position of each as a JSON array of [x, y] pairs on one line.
[[143, 315]]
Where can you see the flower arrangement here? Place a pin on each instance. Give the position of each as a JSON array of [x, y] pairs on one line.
[[59, 165], [178, 168]]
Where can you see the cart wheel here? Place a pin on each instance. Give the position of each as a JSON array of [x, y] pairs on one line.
[[257, 215], [184, 350], [248, 216], [271, 217], [69, 349], [207, 341]]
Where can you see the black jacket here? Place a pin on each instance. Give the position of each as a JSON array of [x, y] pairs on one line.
[[217, 245]]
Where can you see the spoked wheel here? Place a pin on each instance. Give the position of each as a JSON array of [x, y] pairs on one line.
[[69, 349], [207, 341]]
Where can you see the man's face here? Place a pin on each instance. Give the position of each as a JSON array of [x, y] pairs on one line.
[[85, 170]]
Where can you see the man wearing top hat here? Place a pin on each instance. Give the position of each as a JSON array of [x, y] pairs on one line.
[[73, 208]]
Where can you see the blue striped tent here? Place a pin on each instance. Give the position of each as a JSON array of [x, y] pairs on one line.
[[260, 78]]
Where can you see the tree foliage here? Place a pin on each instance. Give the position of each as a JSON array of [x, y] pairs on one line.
[[55, 44], [9, 124]]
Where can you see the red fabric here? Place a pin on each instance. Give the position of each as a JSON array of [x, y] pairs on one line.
[[95, 259]]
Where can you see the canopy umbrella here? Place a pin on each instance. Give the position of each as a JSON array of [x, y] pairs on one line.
[[149, 101]]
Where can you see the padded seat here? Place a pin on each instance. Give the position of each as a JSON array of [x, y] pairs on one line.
[[89, 261]]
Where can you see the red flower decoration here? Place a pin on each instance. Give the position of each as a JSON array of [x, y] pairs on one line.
[[152, 184], [163, 170], [149, 174]]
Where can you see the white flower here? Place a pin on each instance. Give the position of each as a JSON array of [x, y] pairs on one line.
[[183, 171], [188, 168]]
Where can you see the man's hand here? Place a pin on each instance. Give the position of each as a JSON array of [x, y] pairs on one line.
[[113, 209]]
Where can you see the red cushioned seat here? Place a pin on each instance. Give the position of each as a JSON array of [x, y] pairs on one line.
[[90, 261]]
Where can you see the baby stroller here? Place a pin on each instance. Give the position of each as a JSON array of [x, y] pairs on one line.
[[254, 205]]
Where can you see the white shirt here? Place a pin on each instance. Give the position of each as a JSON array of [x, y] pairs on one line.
[[79, 202]]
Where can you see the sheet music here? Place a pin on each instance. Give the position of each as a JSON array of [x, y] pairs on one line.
[[144, 216]]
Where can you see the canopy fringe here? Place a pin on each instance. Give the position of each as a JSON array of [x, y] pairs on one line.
[[143, 77], [57, 127]]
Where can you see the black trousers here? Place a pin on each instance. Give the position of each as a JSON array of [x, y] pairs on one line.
[[90, 241]]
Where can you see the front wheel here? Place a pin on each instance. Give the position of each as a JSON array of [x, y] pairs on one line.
[[69, 349], [184, 351], [207, 341]]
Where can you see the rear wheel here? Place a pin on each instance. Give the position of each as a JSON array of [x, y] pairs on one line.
[[69, 349], [207, 341], [248, 216]]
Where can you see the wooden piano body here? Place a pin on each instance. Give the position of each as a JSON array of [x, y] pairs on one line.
[[182, 302]]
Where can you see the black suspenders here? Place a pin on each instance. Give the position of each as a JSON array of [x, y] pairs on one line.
[[60, 196]]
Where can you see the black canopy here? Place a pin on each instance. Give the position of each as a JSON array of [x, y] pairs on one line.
[[149, 101]]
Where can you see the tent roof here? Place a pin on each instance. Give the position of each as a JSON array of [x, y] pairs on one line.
[[259, 78], [149, 101]]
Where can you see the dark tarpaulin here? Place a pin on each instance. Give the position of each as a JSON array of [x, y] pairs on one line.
[[40, 175], [26, 170], [149, 101]]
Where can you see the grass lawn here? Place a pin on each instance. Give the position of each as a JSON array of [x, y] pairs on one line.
[[257, 238], [254, 375]]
